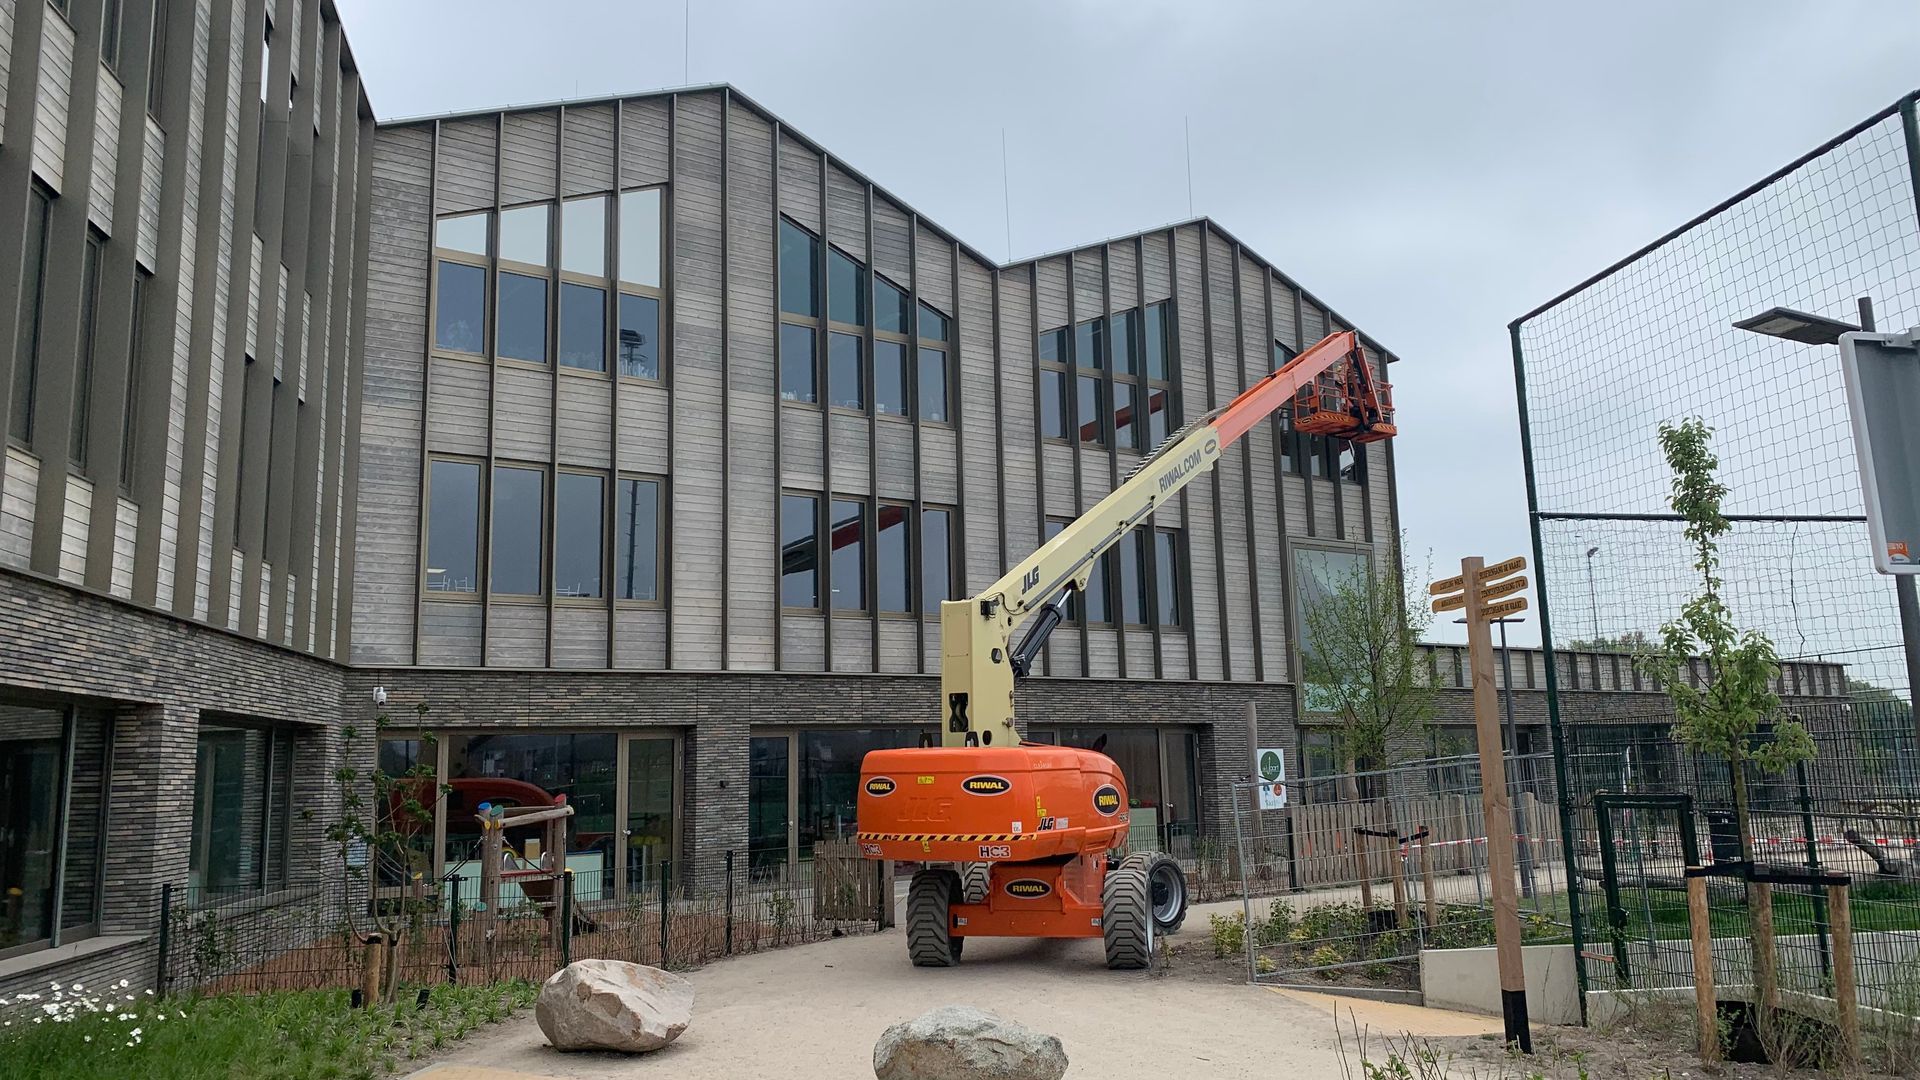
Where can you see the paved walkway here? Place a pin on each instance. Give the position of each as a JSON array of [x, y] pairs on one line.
[[814, 1013]]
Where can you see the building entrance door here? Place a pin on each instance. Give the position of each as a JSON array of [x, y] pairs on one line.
[[651, 824]]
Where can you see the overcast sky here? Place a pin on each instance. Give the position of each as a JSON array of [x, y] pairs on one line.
[[1429, 170]]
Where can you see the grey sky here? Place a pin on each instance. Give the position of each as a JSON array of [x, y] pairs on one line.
[[1430, 170]]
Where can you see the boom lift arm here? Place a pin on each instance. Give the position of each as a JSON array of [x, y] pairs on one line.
[[979, 660]]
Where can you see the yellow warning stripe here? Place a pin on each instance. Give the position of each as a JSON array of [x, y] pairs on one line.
[[964, 838]]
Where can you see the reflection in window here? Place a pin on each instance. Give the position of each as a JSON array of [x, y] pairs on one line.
[[528, 769], [1157, 406], [636, 540], [890, 378], [1158, 341], [767, 784], [1137, 751], [1089, 344], [465, 233], [639, 336], [523, 318], [1120, 342], [1053, 404], [1099, 595], [936, 559], [35, 744], [1166, 573], [829, 769], [799, 551], [461, 317], [799, 270], [846, 289], [523, 234], [933, 384], [583, 236], [797, 367], [1133, 579], [849, 532], [1092, 395], [1053, 347], [243, 789], [844, 376], [1318, 576], [1353, 461], [578, 509], [583, 327], [453, 526], [933, 325], [890, 307], [519, 522], [640, 237], [1123, 426], [891, 551]]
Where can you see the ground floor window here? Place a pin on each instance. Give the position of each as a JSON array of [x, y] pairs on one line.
[[802, 787], [243, 801], [53, 784], [1162, 769]]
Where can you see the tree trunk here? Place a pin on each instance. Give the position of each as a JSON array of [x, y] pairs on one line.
[[1766, 980], [1362, 843]]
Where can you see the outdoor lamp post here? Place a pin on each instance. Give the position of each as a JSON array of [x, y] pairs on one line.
[[1593, 604], [1791, 325]]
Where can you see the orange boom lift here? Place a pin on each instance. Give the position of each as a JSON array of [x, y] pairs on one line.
[[1023, 840]]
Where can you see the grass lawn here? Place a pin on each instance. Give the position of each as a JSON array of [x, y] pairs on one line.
[[1875, 905], [91, 1032]]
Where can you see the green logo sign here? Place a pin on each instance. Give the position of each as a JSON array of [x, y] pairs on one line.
[[1270, 765]]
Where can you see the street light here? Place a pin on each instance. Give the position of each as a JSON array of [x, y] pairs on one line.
[[1819, 330], [1593, 605]]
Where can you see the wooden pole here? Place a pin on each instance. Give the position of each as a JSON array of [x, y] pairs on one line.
[[1426, 881], [1840, 918], [1706, 1011], [1765, 953], [1497, 811], [376, 965], [1398, 866]]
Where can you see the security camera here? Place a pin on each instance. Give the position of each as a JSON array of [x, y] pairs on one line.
[[379, 695]]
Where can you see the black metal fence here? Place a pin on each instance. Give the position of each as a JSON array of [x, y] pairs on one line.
[[314, 933]]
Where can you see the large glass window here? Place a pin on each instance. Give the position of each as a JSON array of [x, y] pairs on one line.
[[799, 551], [463, 233], [243, 800], [893, 556], [933, 384], [767, 791], [1092, 409], [849, 531], [523, 234], [579, 508], [830, 778], [652, 765], [639, 336], [1158, 341], [1090, 344], [77, 432], [1352, 458], [846, 289], [1133, 578], [460, 316], [797, 366], [1120, 341], [1167, 577], [50, 893], [891, 310], [890, 378], [519, 526], [583, 236], [799, 270], [845, 377], [453, 526], [1137, 751], [1123, 426], [522, 334], [532, 769], [26, 360], [936, 559], [933, 325], [1053, 404], [583, 327], [636, 540], [640, 237], [1317, 576]]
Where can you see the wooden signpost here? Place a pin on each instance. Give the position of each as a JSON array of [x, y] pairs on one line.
[[1478, 592]]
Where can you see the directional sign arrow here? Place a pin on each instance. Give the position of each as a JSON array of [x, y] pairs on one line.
[[1504, 608], [1449, 603], [1502, 569], [1504, 588], [1447, 585]]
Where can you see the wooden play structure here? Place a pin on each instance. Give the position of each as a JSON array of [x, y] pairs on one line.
[[537, 869]]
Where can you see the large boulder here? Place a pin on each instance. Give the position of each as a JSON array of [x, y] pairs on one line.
[[958, 1042], [613, 1005]]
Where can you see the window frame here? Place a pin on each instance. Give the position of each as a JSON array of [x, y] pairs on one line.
[[130, 458], [1148, 384], [910, 533], [663, 502], [263, 882], [543, 573], [1291, 550], [819, 501], [548, 275], [483, 516], [70, 719], [80, 418], [910, 399], [867, 537], [23, 414], [815, 324], [623, 286], [602, 282], [488, 298], [942, 345], [1182, 594], [927, 608], [599, 599]]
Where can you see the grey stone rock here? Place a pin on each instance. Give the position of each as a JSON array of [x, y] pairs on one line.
[[958, 1042], [613, 1005]]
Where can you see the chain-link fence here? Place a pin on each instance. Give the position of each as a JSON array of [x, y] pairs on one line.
[[1359, 885], [313, 934], [1652, 340]]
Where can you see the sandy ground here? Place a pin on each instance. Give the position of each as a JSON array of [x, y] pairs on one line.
[[814, 1012]]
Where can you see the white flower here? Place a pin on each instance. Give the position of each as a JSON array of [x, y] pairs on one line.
[[123, 984], [135, 1033], [77, 988], [180, 1014], [89, 1038], [149, 991]]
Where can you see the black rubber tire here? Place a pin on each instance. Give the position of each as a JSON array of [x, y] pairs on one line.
[[1126, 919], [1166, 889], [975, 879], [930, 940]]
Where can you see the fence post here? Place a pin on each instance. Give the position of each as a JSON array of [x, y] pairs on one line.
[[453, 929], [1813, 863], [166, 937], [1706, 1012], [1246, 892], [666, 876], [1843, 988], [729, 950], [1396, 854], [1426, 878], [566, 917]]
